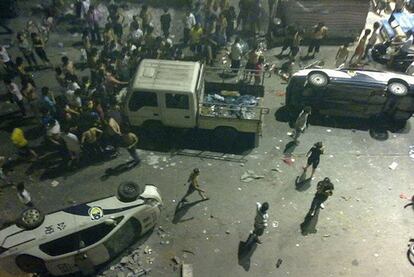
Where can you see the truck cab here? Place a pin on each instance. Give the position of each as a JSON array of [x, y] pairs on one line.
[[165, 92]]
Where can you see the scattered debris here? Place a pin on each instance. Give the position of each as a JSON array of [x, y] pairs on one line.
[[328, 130], [277, 170], [275, 224], [187, 270], [153, 160], [393, 166], [147, 250], [346, 198], [54, 183], [250, 176], [288, 160], [326, 236], [188, 251], [227, 232], [176, 260], [128, 266]]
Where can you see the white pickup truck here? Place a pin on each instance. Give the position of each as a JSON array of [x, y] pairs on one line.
[[175, 94]]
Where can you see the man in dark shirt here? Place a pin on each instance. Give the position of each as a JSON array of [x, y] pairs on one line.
[[314, 157], [165, 22], [324, 189]]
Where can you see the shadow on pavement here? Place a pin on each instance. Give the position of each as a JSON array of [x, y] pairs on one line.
[[118, 170], [308, 226], [289, 148], [181, 209], [245, 253], [301, 183]]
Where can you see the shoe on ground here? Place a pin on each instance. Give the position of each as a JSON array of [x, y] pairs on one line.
[[322, 206], [258, 241], [312, 213]]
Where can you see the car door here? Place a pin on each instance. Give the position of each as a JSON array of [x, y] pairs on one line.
[[345, 99], [179, 110], [143, 106]]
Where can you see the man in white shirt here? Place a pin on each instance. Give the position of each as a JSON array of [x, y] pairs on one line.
[[24, 195], [16, 95], [260, 221], [301, 123], [189, 23], [236, 55], [6, 60], [73, 145]]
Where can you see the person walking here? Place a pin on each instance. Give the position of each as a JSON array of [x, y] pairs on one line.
[[194, 186], [314, 155], [372, 39], [24, 195], [360, 49], [16, 95], [319, 33], [72, 145], [260, 223], [39, 48], [342, 55], [324, 189], [301, 123], [130, 141], [165, 21], [189, 23], [26, 48]]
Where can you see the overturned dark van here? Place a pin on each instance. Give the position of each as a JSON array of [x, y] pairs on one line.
[[353, 93]]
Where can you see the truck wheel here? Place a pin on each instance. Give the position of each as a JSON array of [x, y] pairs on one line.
[[224, 138], [30, 218], [318, 79], [128, 191]]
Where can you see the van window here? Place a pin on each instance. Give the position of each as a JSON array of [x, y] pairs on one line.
[[78, 240], [177, 101], [124, 237], [141, 99]]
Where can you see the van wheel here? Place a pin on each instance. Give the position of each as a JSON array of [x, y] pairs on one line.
[[30, 218], [128, 191], [397, 88], [318, 79], [224, 138]]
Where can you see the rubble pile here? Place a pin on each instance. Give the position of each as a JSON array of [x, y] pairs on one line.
[[131, 265]]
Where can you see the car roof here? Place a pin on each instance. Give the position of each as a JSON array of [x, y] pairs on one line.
[[166, 75], [362, 75], [67, 221]]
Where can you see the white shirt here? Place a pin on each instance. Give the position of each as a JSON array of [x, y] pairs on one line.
[[24, 197], [4, 56], [190, 21], [53, 130], [236, 52], [72, 142], [261, 219], [14, 89], [137, 34], [301, 121]]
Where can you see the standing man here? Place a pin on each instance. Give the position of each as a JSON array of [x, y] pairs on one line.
[[24, 195], [314, 155], [372, 39], [16, 95], [301, 123], [319, 33], [189, 23], [194, 186], [236, 55], [342, 55], [324, 189], [130, 140], [260, 222], [165, 20]]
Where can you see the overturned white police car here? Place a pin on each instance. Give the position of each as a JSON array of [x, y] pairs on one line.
[[96, 232]]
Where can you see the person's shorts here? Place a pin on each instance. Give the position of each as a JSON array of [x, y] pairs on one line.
[[258, 230], [250, 66], [313, 162], [191, 189]]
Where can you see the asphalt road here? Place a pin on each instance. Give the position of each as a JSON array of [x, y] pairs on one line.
[[363, 231]]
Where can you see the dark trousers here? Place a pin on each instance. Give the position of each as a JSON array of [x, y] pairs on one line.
[[30, 58], [165, 30], [22, 108], [314, 44], [316, 202], [95, 34], [42, 54], [235, 65], [186, 36], [133, 152]]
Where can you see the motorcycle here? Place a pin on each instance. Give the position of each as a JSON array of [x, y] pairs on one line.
[[381, 53]]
